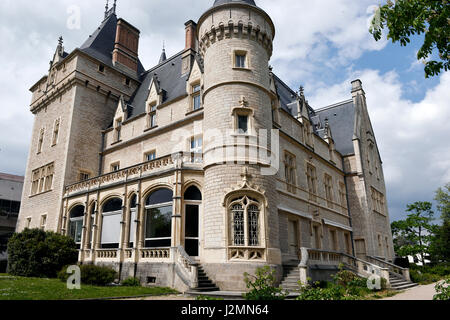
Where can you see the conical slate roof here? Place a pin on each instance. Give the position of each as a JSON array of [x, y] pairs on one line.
[[220, 2]]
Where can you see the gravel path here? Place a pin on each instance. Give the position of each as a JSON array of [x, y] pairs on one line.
[[417, 293]]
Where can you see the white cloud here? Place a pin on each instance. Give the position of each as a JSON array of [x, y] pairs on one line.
[[316, 41], [412, 137]]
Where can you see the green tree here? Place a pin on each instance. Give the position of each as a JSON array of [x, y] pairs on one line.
[[443, 199], [406, 18], [413, 235], [440, 245]]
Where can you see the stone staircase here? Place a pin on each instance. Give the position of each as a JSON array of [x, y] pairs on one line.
[[398, 283], [291, 278], [204, 283]]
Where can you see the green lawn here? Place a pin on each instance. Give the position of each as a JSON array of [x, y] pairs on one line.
[[18, 288]]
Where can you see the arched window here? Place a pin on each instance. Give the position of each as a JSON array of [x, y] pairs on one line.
[[245, 222], [111, 219], [76, 223], [158, 224], [192, 193], [133, 218]]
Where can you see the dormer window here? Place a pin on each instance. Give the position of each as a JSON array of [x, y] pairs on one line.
[[101, 68], [127, 82], [196, 97], [118, 129], [151, 115]]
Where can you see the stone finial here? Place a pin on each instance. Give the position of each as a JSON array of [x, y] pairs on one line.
[[106, 8], [243, 102], [246, 176]]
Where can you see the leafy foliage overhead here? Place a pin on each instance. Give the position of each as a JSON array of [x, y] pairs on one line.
[[406, 18]]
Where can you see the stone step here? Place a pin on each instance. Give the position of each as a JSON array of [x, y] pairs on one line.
[[407, 285], [205, 289]]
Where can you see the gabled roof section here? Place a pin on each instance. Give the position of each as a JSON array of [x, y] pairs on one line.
[[341, 119], [287, 96], [100, 44], [169, 78]]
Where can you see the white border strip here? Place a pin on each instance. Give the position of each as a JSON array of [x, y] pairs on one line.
[[297, 213], [337, 225]]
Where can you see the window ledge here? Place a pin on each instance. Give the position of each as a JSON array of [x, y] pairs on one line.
[[242, 69], [246, 135], [117, 142], [40, 194], [149, 129], [194, 111]]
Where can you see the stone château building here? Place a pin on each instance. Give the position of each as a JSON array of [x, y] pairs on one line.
[[204, 166]]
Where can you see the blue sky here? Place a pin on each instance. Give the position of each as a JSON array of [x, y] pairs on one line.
[[322, 45]]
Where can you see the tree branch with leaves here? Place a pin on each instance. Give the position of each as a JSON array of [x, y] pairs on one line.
[[407, 18]]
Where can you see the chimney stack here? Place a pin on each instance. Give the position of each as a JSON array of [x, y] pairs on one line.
[[191, 47], [125, 54], [191, 35]]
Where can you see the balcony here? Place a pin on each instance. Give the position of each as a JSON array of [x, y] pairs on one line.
[[144, 170]]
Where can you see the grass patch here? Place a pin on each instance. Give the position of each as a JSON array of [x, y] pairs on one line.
[[19, 288]]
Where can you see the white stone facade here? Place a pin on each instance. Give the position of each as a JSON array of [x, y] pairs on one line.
[[246, 217]]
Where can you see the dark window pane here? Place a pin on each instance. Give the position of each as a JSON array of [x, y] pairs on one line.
[[113, 205], [159, 223], [192, 193], [158, 243], [191, 247], [243, 124], [77, 212], [110, 246], [191, 221], [160, 196], [133, 201]]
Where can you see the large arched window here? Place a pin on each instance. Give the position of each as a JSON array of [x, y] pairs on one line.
[[244, 215], [133, 218], [158, 222], [111, 219], [76, 223]]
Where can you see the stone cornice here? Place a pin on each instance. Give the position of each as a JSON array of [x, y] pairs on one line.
[[235, 29]]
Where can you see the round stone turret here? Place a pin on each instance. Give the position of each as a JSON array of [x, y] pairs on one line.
[[235, 41]]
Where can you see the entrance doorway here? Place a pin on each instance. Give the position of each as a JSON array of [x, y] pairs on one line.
[[192, 204], [293, 237], [191, 239]]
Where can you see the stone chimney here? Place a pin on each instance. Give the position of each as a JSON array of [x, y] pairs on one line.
[[191, 35], [357, 88], [190, 48], [125, 54]]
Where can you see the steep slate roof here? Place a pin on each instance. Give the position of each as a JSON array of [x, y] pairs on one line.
[[100, 44], [287, 96], [220, 2], [341, 118], [169, 77]]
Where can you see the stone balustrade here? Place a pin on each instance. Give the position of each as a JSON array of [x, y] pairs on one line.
[[135, 172]]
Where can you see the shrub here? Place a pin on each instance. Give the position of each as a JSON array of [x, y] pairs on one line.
[[92, 275], [36, 253], [263, 286], [315, 292], [443, 290], [131, 282], [207, 298]]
